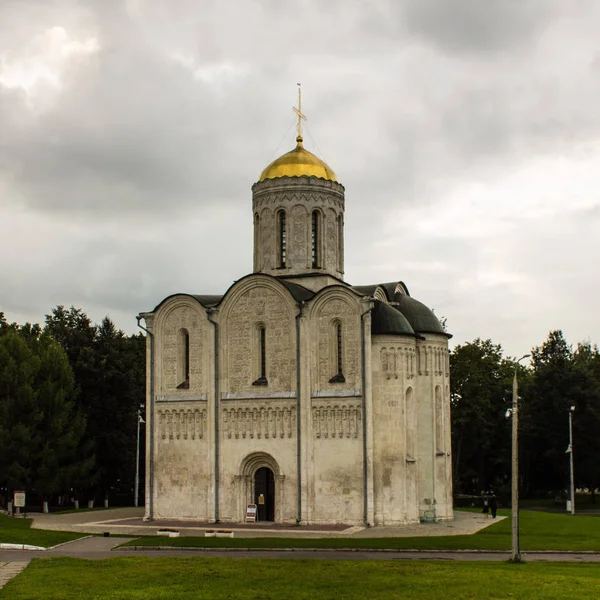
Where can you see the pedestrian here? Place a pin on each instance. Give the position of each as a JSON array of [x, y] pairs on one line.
[[486, 505], [493, 505]]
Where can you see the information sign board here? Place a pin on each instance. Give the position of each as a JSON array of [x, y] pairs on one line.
[[19, 499], [251, 513]]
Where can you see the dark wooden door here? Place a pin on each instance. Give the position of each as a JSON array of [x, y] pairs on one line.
[[264, 494]]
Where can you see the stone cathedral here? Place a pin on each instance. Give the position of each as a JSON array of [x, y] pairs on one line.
[[318, 401]]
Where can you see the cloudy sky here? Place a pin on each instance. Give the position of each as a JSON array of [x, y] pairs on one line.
[[466, 133]]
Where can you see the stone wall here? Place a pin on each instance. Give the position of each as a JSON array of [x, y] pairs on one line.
[[433, 426], [298, 197], [255, 303], [182, 461], [400, 415], [395, 468]]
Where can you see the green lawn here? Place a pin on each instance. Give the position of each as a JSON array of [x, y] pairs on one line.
[[253, 579], [539, 531], [17, 531]]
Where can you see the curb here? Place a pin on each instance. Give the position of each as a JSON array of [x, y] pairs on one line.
[[6, 546], [333, 550]]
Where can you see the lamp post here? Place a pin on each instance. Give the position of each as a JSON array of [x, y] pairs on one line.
[[516, 553], [136, 492], [570, 453]]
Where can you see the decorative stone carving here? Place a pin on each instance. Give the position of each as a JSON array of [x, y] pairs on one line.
[[336, 420], [260, 305], [182, 423], [259, 421], [391, 359], [182, 317], [299, 197], [337, 310]]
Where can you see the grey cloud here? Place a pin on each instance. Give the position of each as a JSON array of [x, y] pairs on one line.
[[465, 26], [409, 103]]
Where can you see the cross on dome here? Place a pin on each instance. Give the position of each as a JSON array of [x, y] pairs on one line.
[[298, 111]]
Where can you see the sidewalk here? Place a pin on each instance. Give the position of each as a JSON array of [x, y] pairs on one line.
[[128, 521]]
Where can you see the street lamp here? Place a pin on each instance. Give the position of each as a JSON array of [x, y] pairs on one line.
[[515, 554], [569, 451], [136, 492]]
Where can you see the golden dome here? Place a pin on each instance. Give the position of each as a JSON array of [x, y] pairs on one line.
[[296, 163]]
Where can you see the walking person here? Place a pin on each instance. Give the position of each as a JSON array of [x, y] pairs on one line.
[[493, 505]]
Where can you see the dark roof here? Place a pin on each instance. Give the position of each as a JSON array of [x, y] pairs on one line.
[[208, 301], [390, 288], [367, 290], [418, 315], [298, 292], [420, 318], [387, 320], [307, 275]]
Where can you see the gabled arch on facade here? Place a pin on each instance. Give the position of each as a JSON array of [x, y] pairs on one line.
[[401, 289], [236, 296], [335, 291], [253, 280], [188, 338], [380, 294], [331, 305]]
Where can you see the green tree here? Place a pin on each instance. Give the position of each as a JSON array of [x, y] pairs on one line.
[[480, 376], [586, 418], [109, 373], [41, 430], [561, 379]]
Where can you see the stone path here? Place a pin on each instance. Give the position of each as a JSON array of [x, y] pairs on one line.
[[11, 569]]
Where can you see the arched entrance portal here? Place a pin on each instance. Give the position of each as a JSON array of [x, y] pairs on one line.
[[259, 474], [264, 494]]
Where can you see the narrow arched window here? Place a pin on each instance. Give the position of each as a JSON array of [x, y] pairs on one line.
[[315, 234], [183, 360], [339, 347], [261, 356], [282, 239], [263, 352], [340, 241], [257, 248], [338, 356], [439, 421], [410, 426]]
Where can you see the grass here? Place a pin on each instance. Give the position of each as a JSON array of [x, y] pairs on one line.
[[251, 579], [538, 531], [18, 531]]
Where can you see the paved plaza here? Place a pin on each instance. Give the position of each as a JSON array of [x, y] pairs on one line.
[[128, 521]]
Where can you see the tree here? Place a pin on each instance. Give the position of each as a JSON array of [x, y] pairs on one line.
[[561, 379], [586, 419], [109, 373], [480, 434], [41, 430]]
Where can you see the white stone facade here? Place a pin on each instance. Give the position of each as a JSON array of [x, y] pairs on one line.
[[340, 392]]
